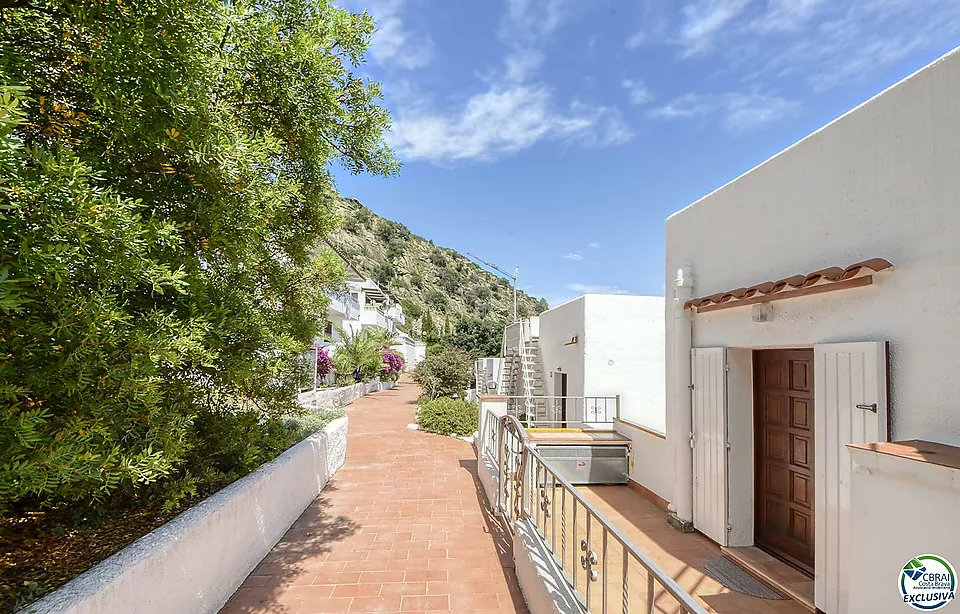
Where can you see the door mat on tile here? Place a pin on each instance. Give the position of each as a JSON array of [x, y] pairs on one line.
[[734, 577]]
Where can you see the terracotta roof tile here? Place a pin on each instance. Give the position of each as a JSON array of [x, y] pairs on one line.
[[825, 276]]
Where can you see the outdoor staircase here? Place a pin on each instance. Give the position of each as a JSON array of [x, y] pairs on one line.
[[522, 379]]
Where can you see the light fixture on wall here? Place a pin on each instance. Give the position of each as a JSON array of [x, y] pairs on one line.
[[762, 312], [573, 340], [610, 362]]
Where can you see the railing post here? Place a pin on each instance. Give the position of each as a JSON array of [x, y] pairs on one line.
[[618, 407]]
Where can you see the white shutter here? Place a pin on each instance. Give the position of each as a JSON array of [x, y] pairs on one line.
[[847, 375], [709, 372]]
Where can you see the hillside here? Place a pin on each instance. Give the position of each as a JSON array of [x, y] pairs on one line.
[[437, 286]]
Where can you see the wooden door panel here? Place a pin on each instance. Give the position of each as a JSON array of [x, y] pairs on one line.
[[785, 454]]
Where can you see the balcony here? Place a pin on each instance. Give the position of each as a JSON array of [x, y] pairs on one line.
[[346, 305], [376, 317]]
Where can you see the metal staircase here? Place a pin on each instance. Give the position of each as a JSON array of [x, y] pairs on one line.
[[522, 377]]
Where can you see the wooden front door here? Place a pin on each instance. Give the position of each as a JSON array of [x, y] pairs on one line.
[[783, 426]]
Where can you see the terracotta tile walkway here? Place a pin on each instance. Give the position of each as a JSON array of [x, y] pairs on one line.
[[401, 528]]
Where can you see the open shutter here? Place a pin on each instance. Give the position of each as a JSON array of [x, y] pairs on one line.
[[709, 372], [850, 406]]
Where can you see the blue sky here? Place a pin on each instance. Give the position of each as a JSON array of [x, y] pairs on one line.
[[558, 135]]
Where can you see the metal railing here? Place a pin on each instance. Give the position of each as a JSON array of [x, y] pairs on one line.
[[345, 304], [605, 569], [578, 410]]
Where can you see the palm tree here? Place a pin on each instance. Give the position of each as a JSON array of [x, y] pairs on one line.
[[360, 354]]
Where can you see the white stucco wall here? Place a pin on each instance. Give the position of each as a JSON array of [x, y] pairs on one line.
[[651, 460], [196, 561], [623, 354], [618, 350], [558, 326], [882, 181], [900, 508]]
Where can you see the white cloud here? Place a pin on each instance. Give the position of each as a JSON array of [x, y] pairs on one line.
[[499, 122], [573, 256], [704, 19], [593, 245], [786, 15], [738, 112], [636, 39], [526, 28], [392, 43], [637, 91], [820, 43], [596, 289]]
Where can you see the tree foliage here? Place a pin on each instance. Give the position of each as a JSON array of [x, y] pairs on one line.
[[165, 179], [444, 372], [359, 355], [478, 337]]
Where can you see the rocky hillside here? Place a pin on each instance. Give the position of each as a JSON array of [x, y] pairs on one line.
[[436, 285]]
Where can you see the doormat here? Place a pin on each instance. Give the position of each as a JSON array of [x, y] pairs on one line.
[[736, 578]]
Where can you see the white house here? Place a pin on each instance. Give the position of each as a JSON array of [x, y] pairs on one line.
[[603, 345], [813, 303], [413, 351]]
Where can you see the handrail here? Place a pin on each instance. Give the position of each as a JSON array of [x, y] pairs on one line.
[[590, 409], [686, 601], [523, 494]]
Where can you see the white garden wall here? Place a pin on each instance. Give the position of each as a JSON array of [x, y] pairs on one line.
[[195, 562], [900, 508], [333, 398]]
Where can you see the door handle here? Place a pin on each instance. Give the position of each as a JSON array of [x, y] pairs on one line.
[[872, 407]]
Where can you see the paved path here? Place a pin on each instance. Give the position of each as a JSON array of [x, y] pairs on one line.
[[401, 528]]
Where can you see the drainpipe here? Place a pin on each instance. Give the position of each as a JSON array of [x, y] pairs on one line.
[[683, 417]]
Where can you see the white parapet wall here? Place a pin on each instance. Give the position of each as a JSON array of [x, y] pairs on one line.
[[333, 398], [651, 459], [903, 503], [195, 562]]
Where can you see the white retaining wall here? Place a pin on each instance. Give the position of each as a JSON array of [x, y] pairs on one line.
[[333, 398], [195, 562]]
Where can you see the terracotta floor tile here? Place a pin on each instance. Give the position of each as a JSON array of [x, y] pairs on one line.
[[356, 590], [404, 588], [403, 514], [426, 603], [318, 606], [376, 604]]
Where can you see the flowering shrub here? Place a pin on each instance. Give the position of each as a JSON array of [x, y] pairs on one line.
[[392, 365], [324, 363]]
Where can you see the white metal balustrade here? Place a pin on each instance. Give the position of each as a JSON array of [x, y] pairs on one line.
[[563, 411], [598, 561]]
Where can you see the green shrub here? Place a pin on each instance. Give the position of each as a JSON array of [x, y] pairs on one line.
[[448, 416], [165, 174], [444, 372]]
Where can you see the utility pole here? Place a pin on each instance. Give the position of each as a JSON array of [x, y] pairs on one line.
[[516, 272]]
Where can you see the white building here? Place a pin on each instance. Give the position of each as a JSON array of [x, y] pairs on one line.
[[412, 351], [602, 345], [812, 305]]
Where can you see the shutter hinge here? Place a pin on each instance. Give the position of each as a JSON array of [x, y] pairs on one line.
[[726, 367], [690, 386], [693, 441], [728, 445]]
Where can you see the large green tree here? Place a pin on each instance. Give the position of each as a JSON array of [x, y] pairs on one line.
[[165, 179]]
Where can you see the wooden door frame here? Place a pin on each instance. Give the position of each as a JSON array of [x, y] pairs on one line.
[[757, 453]]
